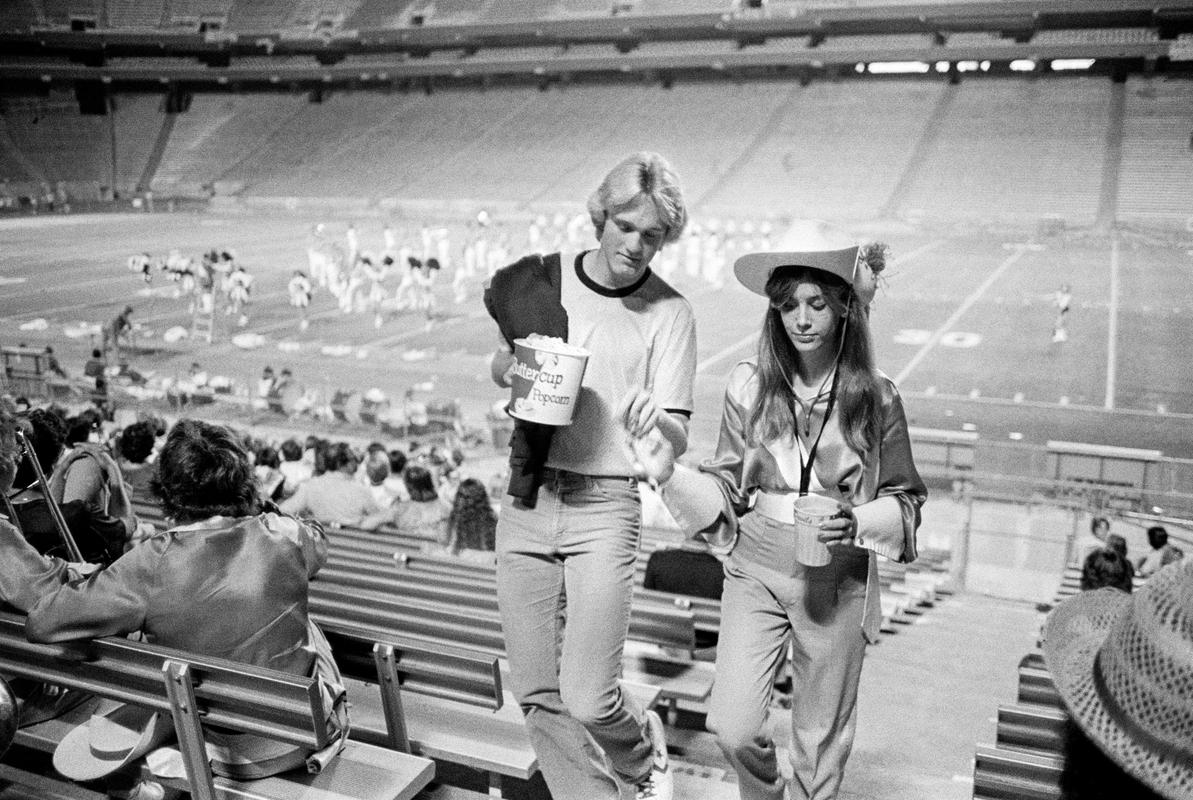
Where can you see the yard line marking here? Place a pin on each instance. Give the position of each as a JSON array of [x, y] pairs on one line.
[[727, 351], [1112, 328], [916, 253], [966, 304]]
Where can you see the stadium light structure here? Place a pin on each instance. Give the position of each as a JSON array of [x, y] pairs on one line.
[[1065, 64], [897, 67], [1023, 65]]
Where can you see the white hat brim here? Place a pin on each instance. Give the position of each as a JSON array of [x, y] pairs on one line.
[[753, 270], [121, 734]]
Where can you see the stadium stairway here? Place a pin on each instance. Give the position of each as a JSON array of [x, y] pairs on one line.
[[159, 150], [919, 153], [1113, 158], [761, 133]]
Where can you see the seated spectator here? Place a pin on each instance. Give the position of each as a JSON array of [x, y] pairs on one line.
[[267, 469], [1099, 529], [1106, 567], [472, 524], [100, 538], [361, 471], [94, 368], [229, 581], [1123, 666], [424, 515], [87, 472], [376, 469], [1119, 545], [317, 452], [396, 482], [135, 447], [294, 468], [333, 497], [1162, 553]]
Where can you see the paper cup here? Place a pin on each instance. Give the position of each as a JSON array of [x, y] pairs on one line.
[[546, 380], [810, 511]]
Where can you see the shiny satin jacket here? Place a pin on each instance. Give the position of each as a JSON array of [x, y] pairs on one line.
[[234, 588], [882, 486]]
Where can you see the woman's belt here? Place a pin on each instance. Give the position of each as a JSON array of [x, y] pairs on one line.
[[779, 506]]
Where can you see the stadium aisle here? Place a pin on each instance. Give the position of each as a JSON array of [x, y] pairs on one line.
[[930, 692]]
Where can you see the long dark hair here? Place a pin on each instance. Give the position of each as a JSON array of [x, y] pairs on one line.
[[858, 398], [472, 523]]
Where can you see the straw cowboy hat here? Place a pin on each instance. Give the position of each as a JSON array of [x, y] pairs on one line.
[[1123, 665], [116, 735], [816, 244]]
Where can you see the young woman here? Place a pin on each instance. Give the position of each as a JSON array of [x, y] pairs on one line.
[[808, 415]]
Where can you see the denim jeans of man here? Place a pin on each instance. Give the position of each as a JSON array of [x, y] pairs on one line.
[[565, 573], [769, 601]]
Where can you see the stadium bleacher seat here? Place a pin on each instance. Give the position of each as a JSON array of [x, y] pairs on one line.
[[218, 692]]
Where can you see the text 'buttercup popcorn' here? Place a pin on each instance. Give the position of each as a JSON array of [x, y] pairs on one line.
[[546, 381]]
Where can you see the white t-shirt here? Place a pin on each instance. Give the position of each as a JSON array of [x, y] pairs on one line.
[[639, 334]]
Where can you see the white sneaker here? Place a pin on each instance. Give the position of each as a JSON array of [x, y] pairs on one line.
[[660, 782]]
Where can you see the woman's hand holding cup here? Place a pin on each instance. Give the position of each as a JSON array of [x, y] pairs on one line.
[[840, 529]]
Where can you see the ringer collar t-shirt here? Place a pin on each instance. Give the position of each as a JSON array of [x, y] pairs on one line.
[[642, 334]]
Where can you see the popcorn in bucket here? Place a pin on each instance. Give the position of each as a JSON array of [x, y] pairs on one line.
[[546, 379]]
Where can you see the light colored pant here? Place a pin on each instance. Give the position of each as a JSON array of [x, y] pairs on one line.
[[565, 574], [819, 610]]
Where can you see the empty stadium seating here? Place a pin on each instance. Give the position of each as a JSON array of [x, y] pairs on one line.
[[987, 149], [832, 150], [992, 159], [1156, 177]]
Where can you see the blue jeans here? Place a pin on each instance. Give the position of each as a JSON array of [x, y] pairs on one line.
[[565, 574], [770, 600]]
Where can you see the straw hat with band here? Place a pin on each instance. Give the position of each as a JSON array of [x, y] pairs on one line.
[[1123, 665]]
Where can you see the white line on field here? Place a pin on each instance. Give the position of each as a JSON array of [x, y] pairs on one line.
[[726, 351], [966, 304]]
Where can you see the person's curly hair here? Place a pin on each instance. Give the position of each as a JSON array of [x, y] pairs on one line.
[[420, 484], [203, 471], [136, 442], [472, 525], [46, 433], [1106, 567]]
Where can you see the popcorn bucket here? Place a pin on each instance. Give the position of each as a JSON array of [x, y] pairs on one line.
[[810, 511], [546, 380]]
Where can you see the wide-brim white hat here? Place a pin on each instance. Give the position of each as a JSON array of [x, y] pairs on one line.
[[116, 735], [810, 243]]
